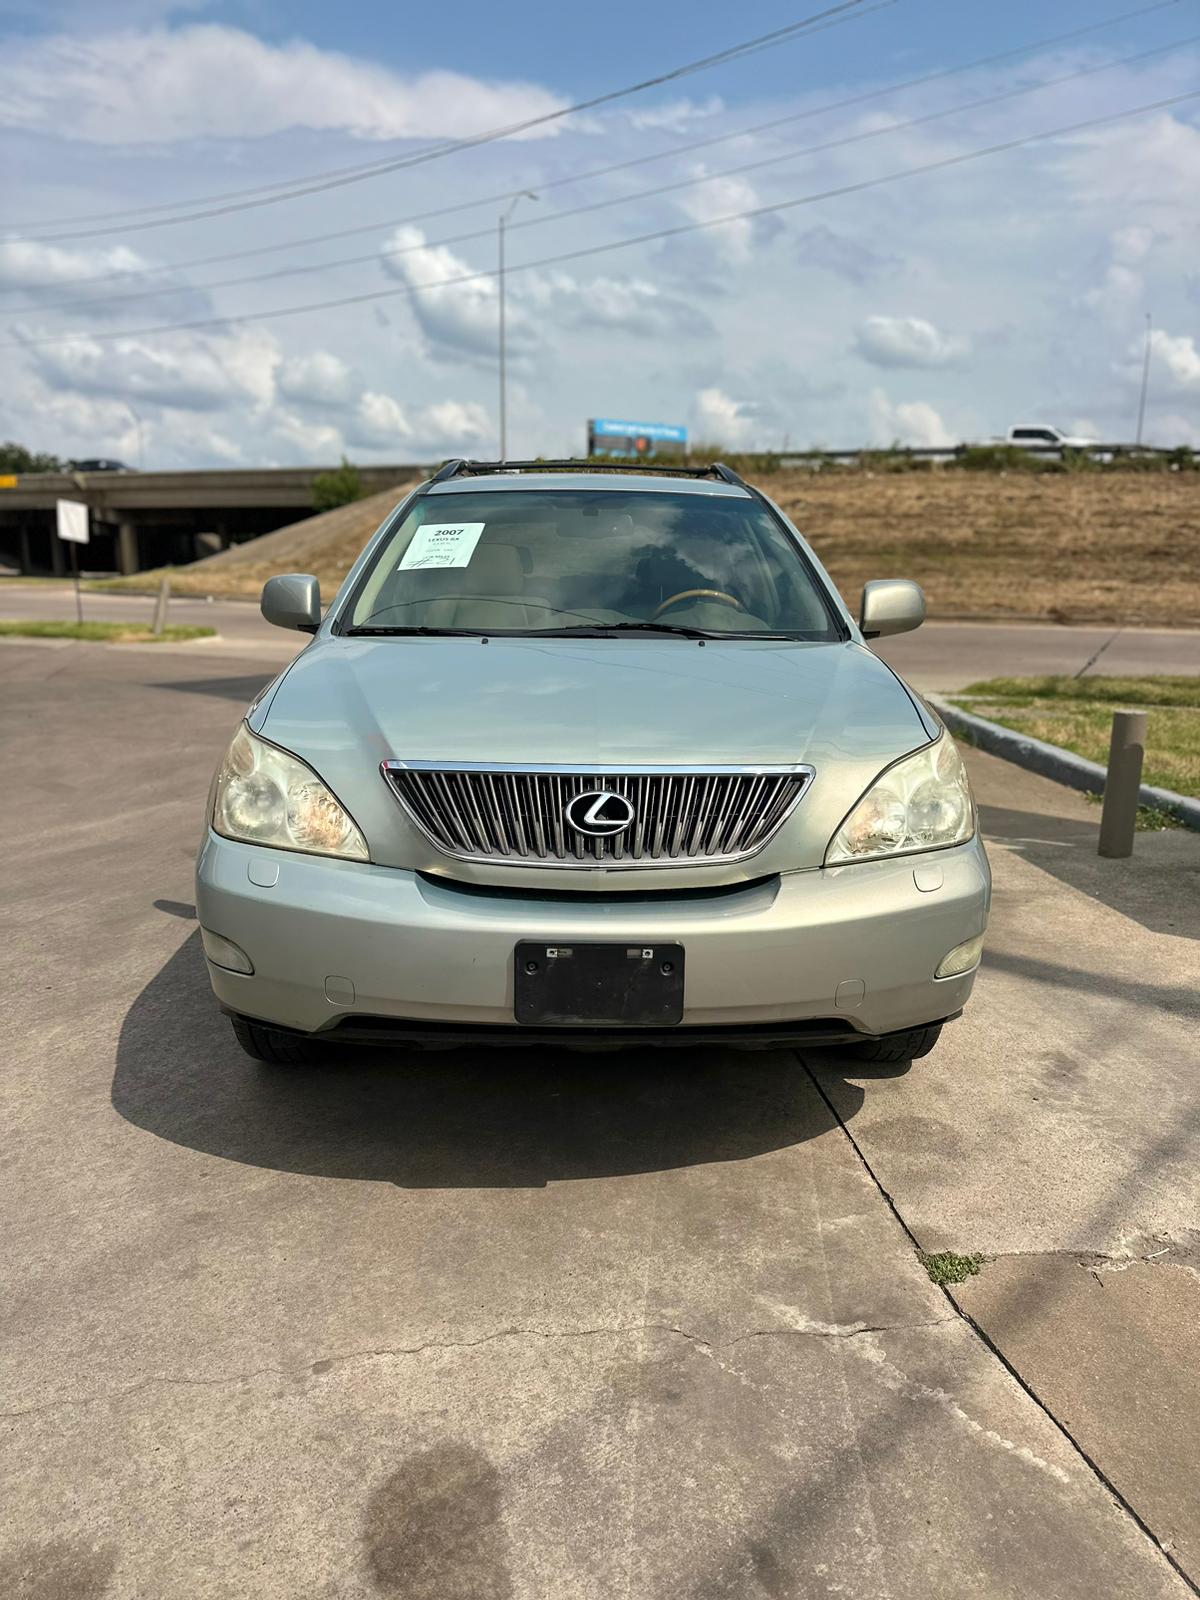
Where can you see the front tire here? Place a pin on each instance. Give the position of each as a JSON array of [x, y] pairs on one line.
[[910, 1045], [262, 1043]]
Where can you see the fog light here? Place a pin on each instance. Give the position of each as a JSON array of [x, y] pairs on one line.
[[961, 959], [224, 953]]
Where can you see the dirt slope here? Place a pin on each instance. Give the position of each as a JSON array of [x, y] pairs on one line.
[[325, 544], [1113, 546]]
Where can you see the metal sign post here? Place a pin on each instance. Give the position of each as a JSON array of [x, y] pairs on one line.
[[73, 530]]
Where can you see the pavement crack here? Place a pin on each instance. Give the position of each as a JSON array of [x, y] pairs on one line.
[[327, 1363], [1161, 1545], [852, 1330]]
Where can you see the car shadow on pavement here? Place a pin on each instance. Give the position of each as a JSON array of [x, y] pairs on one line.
[[1154, 887], [242, 689], [501, 1117]]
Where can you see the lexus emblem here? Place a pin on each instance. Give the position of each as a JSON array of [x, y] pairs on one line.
[[598, 812]]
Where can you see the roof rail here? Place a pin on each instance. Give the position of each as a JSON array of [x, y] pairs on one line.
[[473, 469], [448, 469]]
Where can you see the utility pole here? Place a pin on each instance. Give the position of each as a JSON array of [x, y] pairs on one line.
[[1145, 383], [502, 223]]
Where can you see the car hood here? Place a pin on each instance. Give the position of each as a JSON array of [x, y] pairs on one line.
[[348, 704]]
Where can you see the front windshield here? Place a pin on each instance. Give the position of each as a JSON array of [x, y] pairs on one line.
[[586, 560]]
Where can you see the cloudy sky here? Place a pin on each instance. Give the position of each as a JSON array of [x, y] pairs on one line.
[[927, 308]]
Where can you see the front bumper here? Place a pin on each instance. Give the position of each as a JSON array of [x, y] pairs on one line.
[[336, 944]]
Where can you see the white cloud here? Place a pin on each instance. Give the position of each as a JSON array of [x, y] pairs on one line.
[[306, 439], [193, 374], [634, 307], [907, 342], [912, 422], [463, 318], [1141, 166], [214, 82], [55, 276], [380, 422], [1174, 356], [316, 378], [455, 421], [726, 197], [719, 419], [41, 268], [676, 116]]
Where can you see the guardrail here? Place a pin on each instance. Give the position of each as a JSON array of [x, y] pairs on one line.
[[959, 452]]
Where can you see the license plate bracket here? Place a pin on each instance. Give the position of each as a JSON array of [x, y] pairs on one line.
[[598, 985]]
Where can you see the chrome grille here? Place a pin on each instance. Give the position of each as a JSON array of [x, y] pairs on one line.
[[485, 812]]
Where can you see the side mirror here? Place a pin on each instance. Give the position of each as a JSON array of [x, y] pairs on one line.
[[891, 605], [293, 601]]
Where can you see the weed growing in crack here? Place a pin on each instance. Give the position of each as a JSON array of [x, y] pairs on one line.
[[947, 1266]]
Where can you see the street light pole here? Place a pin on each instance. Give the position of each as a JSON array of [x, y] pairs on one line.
[[502, 223], [1145, 383]]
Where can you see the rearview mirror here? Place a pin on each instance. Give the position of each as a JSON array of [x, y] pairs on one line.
[[891, 605], [293, 600]]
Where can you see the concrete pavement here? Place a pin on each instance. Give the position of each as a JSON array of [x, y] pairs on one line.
[[1058, 1131], [950, 655], [239, 623], [539, 1325], [940, 656]]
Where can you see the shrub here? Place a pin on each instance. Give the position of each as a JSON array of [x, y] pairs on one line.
[[16, 458], [340, 487]]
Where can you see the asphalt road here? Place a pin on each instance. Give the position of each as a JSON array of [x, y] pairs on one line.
[[535, 1326], [940, 655]]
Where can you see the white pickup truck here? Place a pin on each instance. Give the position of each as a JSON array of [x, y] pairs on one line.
[[1041, 436]]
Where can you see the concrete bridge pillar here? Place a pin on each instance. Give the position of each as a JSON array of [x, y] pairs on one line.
[[127, 548]]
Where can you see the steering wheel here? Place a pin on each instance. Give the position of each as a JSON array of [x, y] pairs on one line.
[[699, 594]]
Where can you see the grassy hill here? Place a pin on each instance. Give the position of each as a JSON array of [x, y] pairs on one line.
[[1111, 546]]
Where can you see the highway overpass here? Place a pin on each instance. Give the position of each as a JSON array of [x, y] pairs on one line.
[[149, 519]]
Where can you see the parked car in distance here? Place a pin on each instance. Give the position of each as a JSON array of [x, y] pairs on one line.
[[1040, 435], [589, 755], [99, 464]]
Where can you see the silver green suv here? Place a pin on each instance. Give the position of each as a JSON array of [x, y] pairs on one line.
[[585, 754]]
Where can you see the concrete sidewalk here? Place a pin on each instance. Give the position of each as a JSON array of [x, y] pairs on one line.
[[531, 1325], [1058, 1131]]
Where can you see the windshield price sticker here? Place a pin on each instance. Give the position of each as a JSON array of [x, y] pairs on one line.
[[442, 544]]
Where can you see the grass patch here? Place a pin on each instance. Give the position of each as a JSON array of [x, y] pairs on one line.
[[1142, 692], [1076, 714], [947, 1266], [1149, 819], [102, 632]]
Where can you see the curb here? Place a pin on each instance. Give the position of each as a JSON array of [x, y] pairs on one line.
[[1063, 766]]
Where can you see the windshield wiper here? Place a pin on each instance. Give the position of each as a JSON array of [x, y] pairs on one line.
[[601, 630], [380, 631]]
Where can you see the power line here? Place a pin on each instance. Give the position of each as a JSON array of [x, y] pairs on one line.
[[375, 256], [598, 172], [272, 194], [409, 290]]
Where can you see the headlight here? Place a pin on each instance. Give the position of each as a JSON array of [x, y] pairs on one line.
[[265, 796], [922, 803]]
